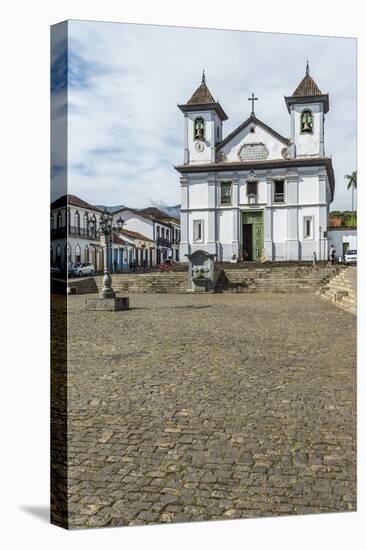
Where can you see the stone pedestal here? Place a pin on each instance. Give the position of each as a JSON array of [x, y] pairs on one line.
[[119, 303]]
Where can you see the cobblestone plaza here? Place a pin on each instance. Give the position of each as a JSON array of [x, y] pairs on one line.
[[214, 406]]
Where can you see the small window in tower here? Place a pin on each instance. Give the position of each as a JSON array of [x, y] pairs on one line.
[[198, 231], [308, 227], [225, 189], [217, 132], [252, 129], [307, 122], [199, 129]]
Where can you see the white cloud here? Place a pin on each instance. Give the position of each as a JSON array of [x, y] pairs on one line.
[[126, 132]]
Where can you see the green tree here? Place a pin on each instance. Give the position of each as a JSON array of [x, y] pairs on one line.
[[352, 183]]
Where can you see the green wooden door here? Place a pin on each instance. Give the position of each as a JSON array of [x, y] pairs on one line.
[[255, 219]]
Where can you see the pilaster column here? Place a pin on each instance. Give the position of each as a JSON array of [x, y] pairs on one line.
[[292, 230], [211, 215], [213, 137], [186, 150], [235, 203], [184, 219], [268, 219]]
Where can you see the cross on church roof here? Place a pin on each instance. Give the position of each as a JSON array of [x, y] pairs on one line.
[[252, 99]]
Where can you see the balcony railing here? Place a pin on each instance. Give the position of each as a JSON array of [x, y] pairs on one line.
[[166, 243], [74, 231], [279, 197]]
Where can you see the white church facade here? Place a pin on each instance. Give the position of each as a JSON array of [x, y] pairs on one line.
[[256, 195]]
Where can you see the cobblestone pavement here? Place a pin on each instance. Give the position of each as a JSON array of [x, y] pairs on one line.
[[210, 407]]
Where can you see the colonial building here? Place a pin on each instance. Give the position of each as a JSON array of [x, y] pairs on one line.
[[255, 194], [160, 228], [74, 232], [75, 237]]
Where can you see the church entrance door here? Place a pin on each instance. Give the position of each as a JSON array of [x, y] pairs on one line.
[[252, 235]]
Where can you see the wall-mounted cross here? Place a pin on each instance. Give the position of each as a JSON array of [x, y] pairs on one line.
[[252, 99]]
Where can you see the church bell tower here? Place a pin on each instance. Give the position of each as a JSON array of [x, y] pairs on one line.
[[307, 107], [203, 125]]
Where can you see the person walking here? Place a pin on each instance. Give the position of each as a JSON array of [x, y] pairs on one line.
[[332, 254]]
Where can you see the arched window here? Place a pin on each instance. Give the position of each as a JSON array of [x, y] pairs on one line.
[[59, 220], [52, 222], [68, 219], [77, 254], [199, 129], [93, 225], [86, 254], [68, 252], [307, 122], [58, 255], [85, 222], [77, 222]]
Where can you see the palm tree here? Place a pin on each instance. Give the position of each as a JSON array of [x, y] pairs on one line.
[[352, 183]]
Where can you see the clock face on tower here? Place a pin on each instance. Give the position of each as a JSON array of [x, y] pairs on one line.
[[199, 146]]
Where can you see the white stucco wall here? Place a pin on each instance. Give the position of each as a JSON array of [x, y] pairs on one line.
[[339, 236], [133, 222], [308, 189], [211, 121], [279, 224], [198, 195], [307, 144], [225, 226]]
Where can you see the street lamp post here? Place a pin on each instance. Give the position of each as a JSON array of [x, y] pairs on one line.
[[105, 227], [320, 242], [107, 301], [119, 224]]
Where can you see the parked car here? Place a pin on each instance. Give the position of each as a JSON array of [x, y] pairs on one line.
[[167, 264], [82, 268], [350, 257], [55, 270]]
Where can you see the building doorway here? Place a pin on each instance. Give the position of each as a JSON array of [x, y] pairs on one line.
[[247, 241], [252, 236]]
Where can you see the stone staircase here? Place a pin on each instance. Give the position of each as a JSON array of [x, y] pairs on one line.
[[290, 278], [140, 283], [341, 290], [251, 278]]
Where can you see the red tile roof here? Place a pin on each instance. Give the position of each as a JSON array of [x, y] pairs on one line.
[[73, 200], [135, 235]]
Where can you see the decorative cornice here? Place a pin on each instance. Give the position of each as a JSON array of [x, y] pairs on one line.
[[303, 100], [262, 164], [186, 107]]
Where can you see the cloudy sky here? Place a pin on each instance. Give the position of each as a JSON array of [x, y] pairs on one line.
[[125, 132]]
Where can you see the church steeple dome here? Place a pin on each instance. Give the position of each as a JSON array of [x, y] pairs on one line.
[[308, 86], [307, 92], [202, 98], [202, 95]]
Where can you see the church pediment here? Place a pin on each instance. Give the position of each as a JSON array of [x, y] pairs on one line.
[[253, 140]]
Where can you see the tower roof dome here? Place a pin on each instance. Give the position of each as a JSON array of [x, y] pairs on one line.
[[307, 86], [202, 99], [307, 92], [202, 94]]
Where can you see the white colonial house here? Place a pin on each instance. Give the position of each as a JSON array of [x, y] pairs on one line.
[[255, 194], [158, 227]]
